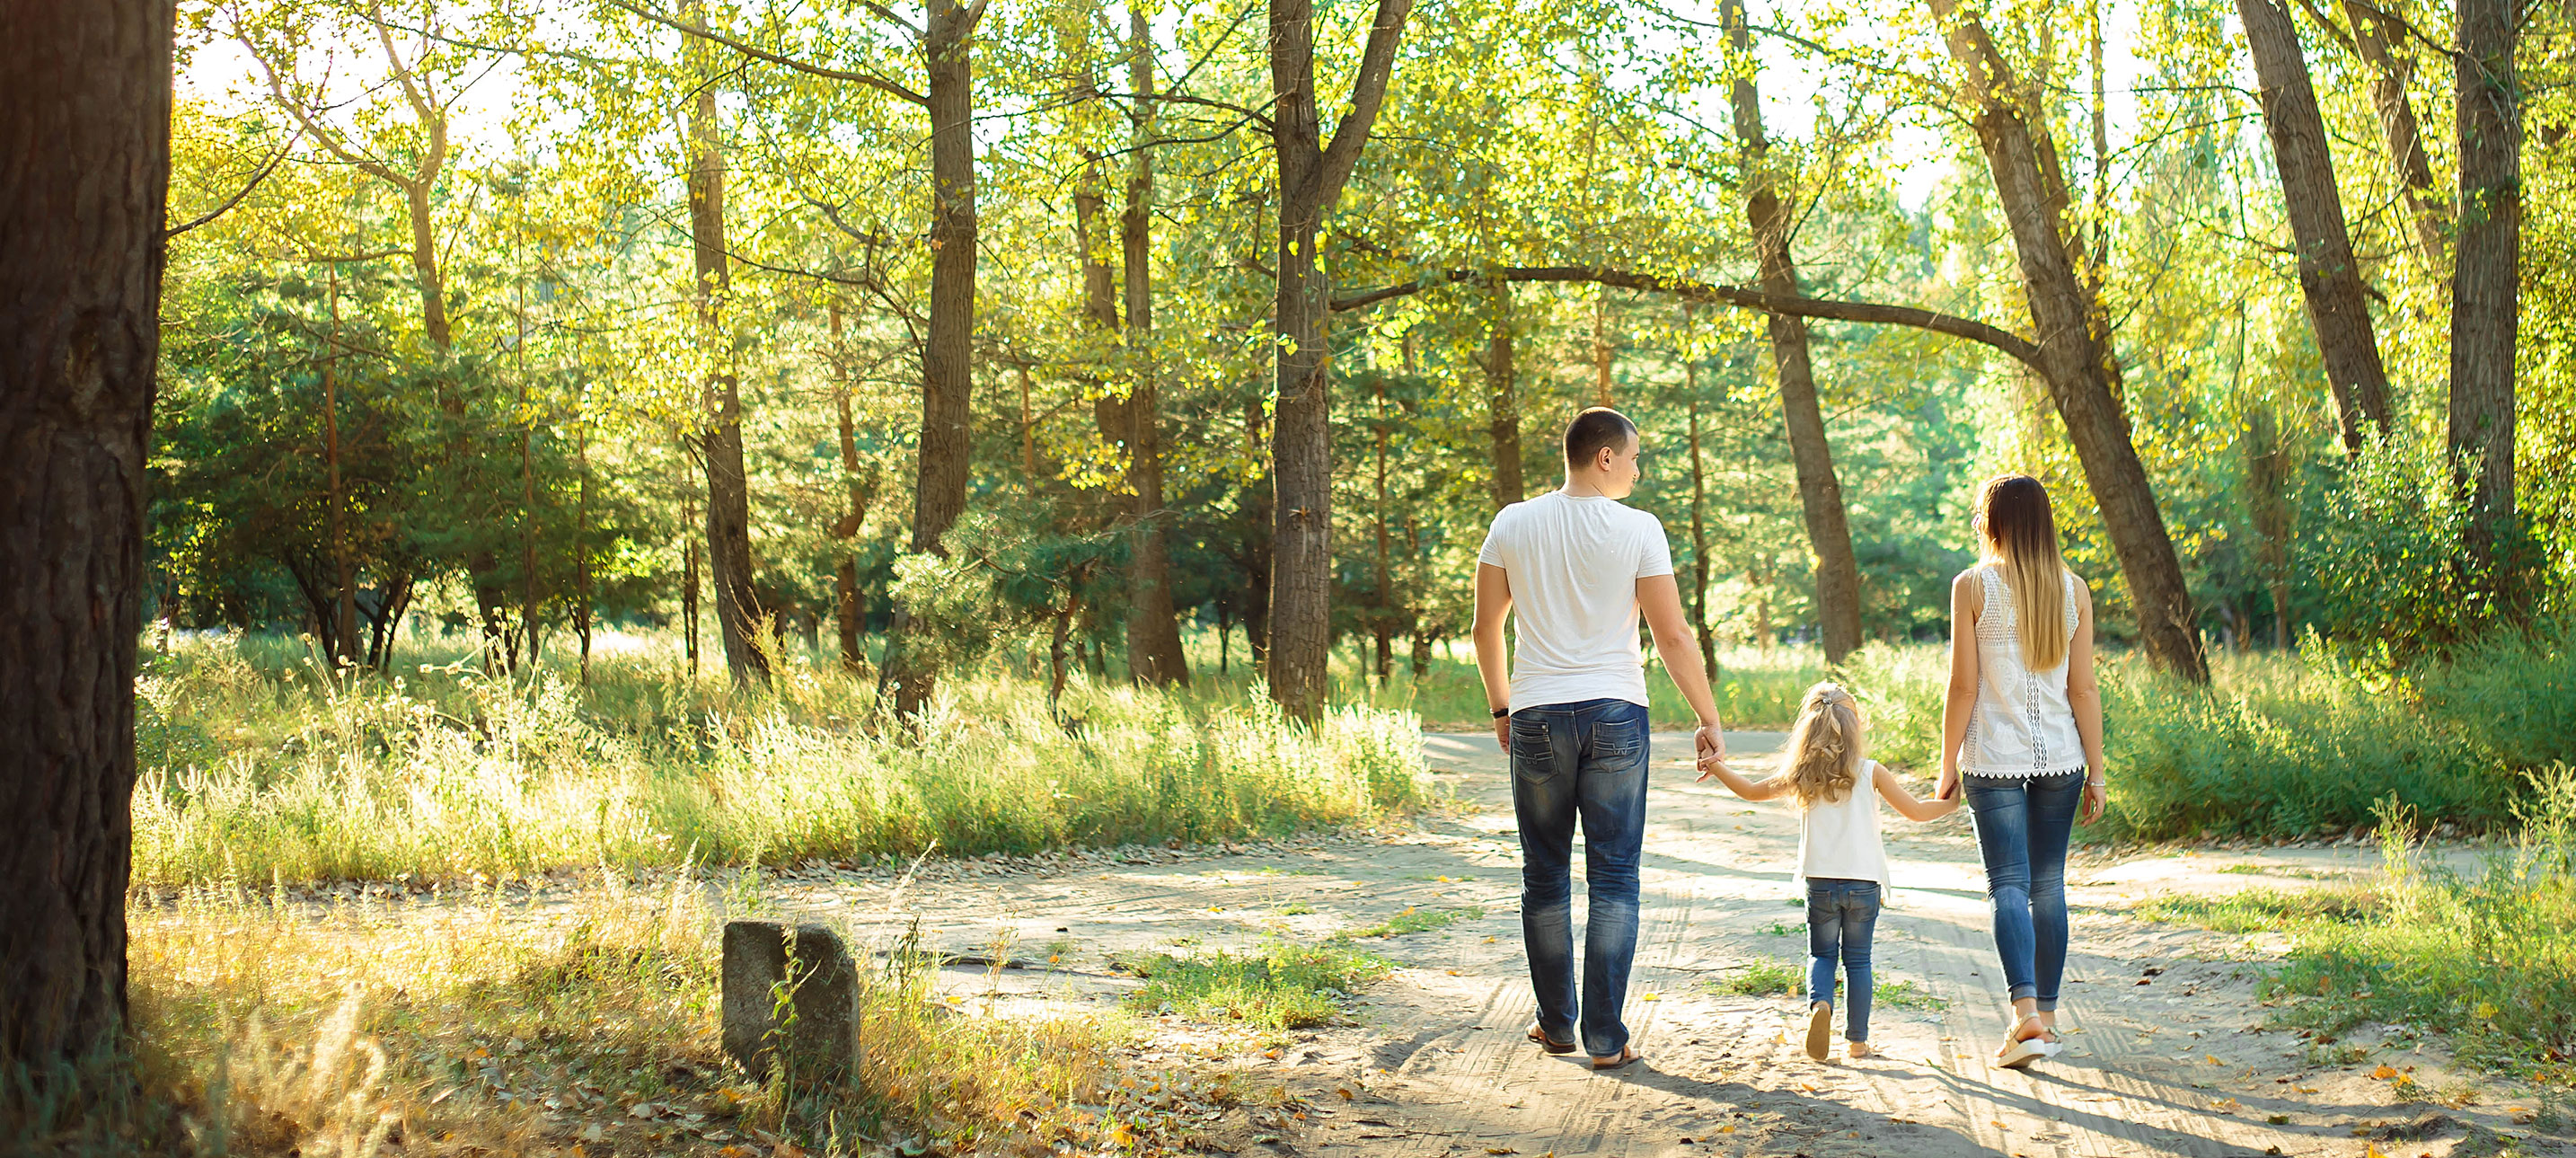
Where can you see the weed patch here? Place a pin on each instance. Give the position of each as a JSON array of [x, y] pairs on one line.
[[1759, 979], [1418, 920], [1278, 986]]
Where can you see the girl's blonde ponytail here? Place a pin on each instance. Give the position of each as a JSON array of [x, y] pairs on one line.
[[1823, 761]]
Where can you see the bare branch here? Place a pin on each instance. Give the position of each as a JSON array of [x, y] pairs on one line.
[[236, 199], [1368, 92], [755, 52]]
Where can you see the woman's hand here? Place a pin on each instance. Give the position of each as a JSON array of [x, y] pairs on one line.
[[2097, 795], [1948, 785]]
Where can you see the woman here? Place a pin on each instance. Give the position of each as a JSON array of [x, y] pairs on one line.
[[2022, 733]]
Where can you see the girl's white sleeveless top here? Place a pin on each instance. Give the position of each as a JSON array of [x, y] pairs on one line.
[[2022, 724], [1839, 840]]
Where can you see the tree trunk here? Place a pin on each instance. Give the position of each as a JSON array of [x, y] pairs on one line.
[[1502, 406], [2376, 37], [1699, 529], [85, 127], [947, 357], [2484, 308], [689, 583], [1153, 625], [344, 617], [1256, 543], [847, 617], [1311, 173], [1382, 623], [728, 491], [582, 593], [1820, 493], [2075, 344], [2328, 277]]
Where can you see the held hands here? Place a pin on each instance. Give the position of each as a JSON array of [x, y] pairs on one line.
[[1948, 786], [1711, 743]]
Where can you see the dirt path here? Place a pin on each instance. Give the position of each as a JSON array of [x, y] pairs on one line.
[[2165, 1054]]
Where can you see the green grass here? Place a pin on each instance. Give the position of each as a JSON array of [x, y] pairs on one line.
[[1417, 920], [256, 769], [2488, 959], [1760, 979], [1276, 987], [1906, 995], [1784, 929]]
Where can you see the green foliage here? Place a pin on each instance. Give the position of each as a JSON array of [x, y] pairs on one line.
[[445, 775], [1277, 986], [1760, 979], [2394, 581], [2487, 958]]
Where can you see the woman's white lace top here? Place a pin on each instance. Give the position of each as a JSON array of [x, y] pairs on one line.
[[2022, 724]]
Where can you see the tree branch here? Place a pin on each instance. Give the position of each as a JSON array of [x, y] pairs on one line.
[[236, 199], [755, 52], [1368, 92], [2003, 341]]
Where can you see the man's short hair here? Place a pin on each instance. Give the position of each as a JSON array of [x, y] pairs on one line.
[[1593, 430]]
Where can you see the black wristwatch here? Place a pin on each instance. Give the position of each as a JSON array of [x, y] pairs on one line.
[[1499, 713]]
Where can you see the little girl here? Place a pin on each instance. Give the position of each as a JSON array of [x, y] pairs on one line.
[[1839, 855]]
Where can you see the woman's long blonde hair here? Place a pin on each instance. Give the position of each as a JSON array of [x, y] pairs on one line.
[[2021, 541], [1823, 761]]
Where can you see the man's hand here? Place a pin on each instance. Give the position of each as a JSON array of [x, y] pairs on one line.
[[1711, 742], [1503, 733]]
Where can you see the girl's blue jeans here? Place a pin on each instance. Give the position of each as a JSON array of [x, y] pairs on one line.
[[1841, 916], [2023, 824], [1581, 763]]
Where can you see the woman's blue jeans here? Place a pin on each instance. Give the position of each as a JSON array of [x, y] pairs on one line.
[[1580, 763], [2023, 824], [1842, 915]]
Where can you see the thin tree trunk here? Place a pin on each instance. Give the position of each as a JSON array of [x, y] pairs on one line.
[[1820, 492], [2485, 311], [2329, 278], [947, 357], [344, 618], [689, 582], [2377, 38], [728, 490], [1311, 174], [582, 594], [1382, 624], [1154, 653], [848, 616], [1256, 542], [1699, 530], [1502, 405], [1601, 346], [85, 127], [2075, 344]]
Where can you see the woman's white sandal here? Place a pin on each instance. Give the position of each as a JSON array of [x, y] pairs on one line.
[[2023, 1051]]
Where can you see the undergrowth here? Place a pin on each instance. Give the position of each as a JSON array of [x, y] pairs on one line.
[[1278, 986]]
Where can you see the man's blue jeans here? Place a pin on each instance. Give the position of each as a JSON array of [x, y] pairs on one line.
[[1842, 917], [1581, 762], [2023, 824]]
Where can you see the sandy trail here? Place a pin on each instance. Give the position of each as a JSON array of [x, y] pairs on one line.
[[1433, 1062]]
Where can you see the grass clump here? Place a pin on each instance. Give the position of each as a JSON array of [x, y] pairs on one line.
[[1906, 995], [254, 771], [1760, 979], [1278, 986], [1416, 920], [2488, 959]]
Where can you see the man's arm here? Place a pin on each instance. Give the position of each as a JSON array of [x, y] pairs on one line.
[[1661, 599], [1493, 601]]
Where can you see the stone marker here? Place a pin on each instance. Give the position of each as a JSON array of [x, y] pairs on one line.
[[820, 1041]]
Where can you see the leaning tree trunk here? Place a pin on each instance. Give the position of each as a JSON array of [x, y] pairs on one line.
[[2484, 310], [2328, 276], [1502, 405], [1153, 625], [2075, 344], [85, 128], [1311, 173], [728, 490], [1820, 493], [947, 365], [2375, 37]]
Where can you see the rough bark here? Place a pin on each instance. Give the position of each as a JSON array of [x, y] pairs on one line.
[[1820, 492], [2484, 309], [849, 613], [2074, 343], [1255, 557], [2330, 280], [946, 444], [1153, 625], [1311, 174], [84, 168], [2377, 38], [728, 520], [1502, 404]]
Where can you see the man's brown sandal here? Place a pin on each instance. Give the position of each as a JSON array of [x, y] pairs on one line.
[[1547, 1043], [1627, 1054]]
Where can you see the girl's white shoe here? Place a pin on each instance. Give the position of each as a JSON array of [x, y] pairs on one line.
[[2026, 1050]]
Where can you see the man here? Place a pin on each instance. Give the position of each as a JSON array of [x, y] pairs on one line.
[[1578, 566]]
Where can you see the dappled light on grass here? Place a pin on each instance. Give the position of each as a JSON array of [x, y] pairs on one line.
[[252, 773], [2488, 958]]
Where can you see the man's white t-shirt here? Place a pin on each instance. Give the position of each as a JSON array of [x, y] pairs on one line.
[[1574, 563]]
